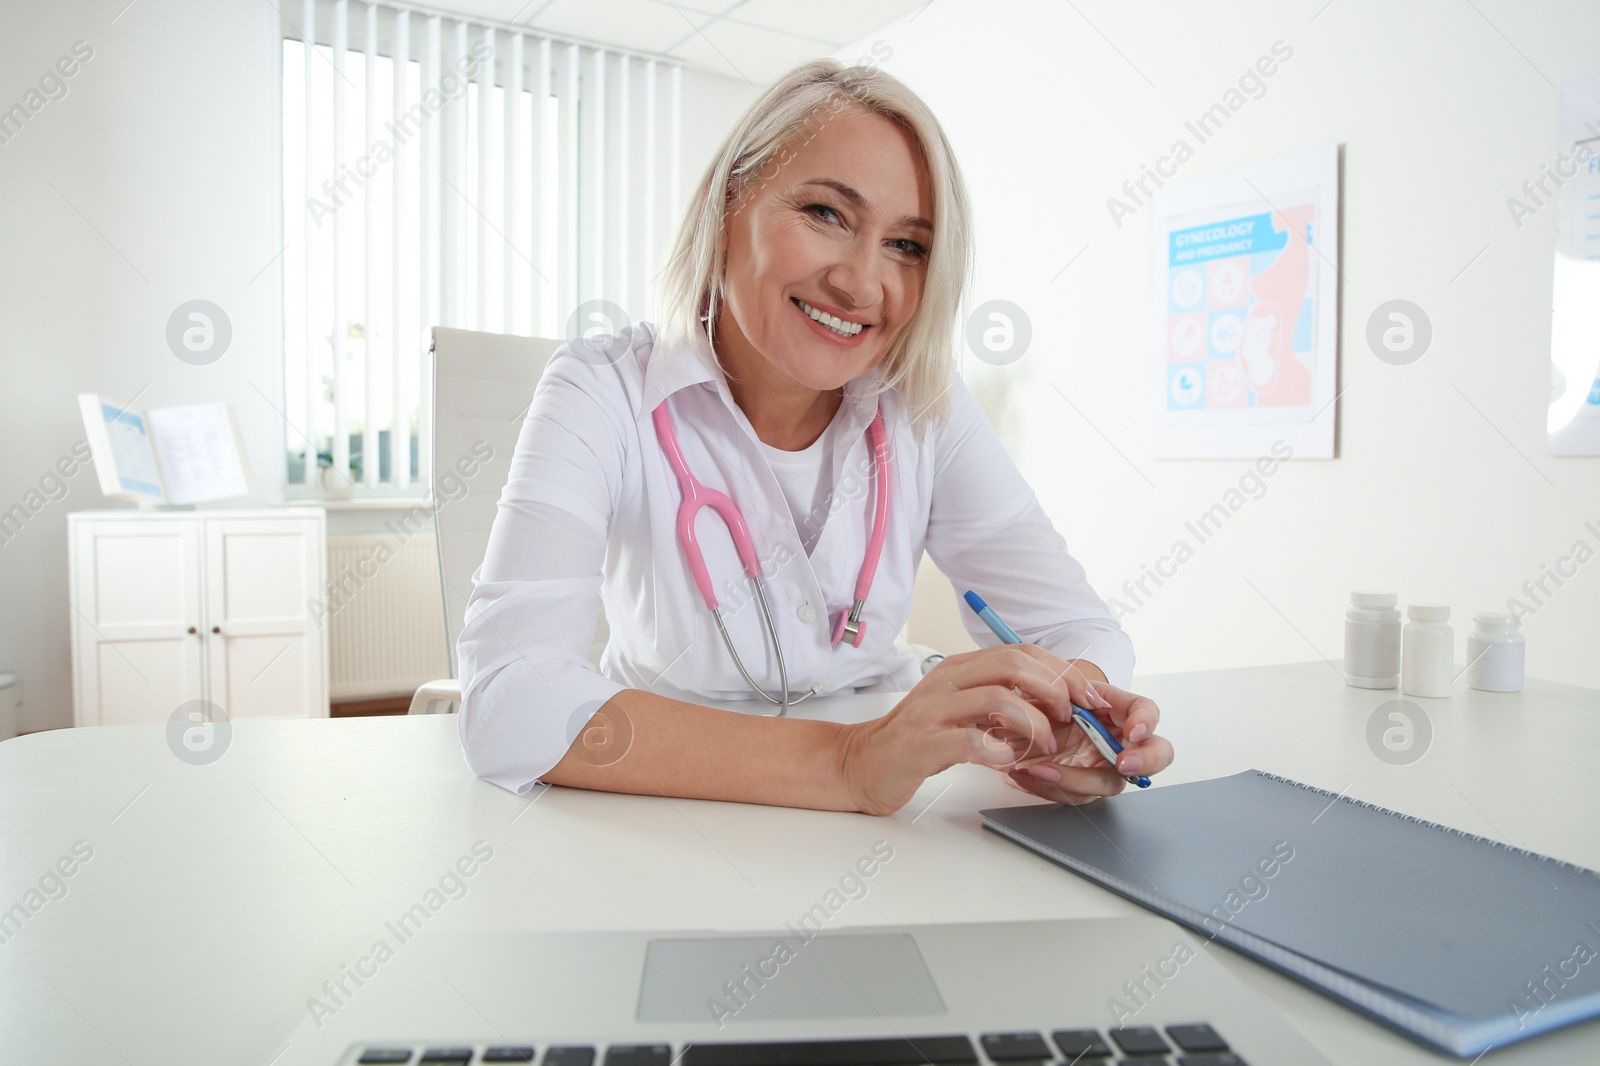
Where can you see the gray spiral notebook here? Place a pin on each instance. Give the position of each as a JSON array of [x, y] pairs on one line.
[[1460, 942]]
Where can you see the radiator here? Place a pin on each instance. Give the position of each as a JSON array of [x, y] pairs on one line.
[[384, 615]]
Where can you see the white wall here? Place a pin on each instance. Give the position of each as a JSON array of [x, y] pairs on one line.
[[1442, 489], [152, 182]]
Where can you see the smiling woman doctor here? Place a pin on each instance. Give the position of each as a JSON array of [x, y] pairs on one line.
[[804, 370]]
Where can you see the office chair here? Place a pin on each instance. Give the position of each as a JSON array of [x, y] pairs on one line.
[[482, 386]]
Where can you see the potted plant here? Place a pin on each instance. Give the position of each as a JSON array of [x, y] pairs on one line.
[[333, 483]]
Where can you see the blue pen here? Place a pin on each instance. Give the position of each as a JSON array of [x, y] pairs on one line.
[[1106, 744]]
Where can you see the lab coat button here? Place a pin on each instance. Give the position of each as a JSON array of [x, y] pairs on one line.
[[807, 613]]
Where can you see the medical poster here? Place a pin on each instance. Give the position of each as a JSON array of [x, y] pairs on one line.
[[1246, 316], [1573, 424]]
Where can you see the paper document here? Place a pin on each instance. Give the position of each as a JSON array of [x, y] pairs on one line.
[[198, 452]]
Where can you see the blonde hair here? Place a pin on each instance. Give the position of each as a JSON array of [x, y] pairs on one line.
[[920, 361]]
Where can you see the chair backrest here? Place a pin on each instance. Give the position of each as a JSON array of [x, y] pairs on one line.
[[482, 387]]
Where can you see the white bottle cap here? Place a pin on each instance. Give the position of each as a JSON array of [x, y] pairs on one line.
[[1429, 612], [1373, 599], [1497, 620]]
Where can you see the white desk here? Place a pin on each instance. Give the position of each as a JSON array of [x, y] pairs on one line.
[[219, 898]]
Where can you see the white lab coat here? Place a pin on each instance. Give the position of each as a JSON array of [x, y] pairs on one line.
[[590, 507]]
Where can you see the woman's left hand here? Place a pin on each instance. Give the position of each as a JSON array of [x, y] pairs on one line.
[[1077, 773]]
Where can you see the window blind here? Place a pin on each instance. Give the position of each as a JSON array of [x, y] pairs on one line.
[[443, 170]]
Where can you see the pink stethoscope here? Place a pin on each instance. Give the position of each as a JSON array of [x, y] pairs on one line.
[[695, 496]]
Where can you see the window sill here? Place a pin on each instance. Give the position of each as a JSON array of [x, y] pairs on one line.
[[397, 503]]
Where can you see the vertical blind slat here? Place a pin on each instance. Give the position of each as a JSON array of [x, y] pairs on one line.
[[433, 51], [567, 195], [401, 337], [511, 148], [544, 243], [595, 105], [648, 194], [452, 162], [369, 332], [308, 24], [435, 300], [341, 435], [624, 235], [459, 197], [485, 139]]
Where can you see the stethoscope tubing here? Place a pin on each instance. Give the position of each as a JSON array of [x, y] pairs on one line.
[[697, 496]]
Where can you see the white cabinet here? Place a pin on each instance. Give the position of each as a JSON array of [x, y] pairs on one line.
[[173, 606]]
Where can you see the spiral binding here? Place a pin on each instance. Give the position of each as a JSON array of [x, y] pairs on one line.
[[1475, 838]]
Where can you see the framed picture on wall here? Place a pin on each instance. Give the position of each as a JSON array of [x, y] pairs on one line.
[[1246, 310]]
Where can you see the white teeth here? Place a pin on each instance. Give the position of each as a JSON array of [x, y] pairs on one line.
[[839, 326]]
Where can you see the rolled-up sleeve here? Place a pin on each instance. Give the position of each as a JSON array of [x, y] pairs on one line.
[[987, 532], [527, 686]]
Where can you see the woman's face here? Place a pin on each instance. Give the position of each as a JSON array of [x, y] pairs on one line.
[[840, 224]]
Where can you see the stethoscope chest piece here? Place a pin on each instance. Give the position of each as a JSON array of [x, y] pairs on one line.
[[851, 627]]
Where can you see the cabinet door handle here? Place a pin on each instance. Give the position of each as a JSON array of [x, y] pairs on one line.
[[216, 629], [192, 629]]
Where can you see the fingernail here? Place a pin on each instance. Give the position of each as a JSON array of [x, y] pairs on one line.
[[1050, 742], [1130, 764], [1098, 701], [1139, 732], [1045, 772]]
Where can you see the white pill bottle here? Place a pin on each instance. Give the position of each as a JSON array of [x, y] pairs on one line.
[[1372, 640], [1496, 653], [1428, 652]]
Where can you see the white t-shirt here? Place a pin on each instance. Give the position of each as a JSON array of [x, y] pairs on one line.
[[806, 480]]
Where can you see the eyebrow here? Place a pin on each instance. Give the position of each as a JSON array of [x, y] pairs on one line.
[[857, 200]]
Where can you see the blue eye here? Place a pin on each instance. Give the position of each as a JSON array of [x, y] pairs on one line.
[[902, 244]]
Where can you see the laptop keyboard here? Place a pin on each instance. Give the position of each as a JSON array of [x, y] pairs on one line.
[[1196, 1044]]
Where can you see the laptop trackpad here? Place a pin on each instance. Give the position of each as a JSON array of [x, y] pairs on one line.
[[766, 978]]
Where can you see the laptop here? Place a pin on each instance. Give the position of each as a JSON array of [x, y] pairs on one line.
[[1138, 990]]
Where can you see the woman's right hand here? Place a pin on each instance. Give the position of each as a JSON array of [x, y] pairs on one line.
[[994, 706]]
